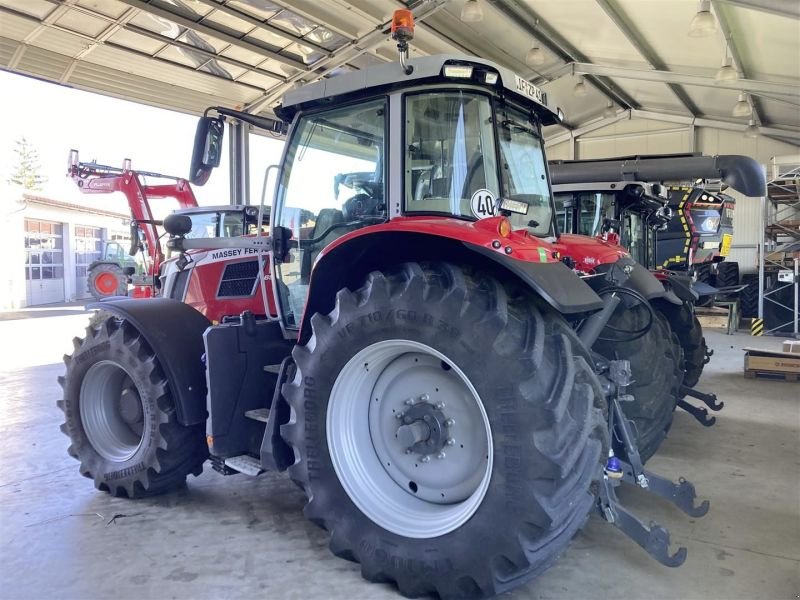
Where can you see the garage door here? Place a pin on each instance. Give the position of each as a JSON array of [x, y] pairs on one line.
[[88, 244], [44, 262]]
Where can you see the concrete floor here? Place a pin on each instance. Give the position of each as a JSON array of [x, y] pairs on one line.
[[238, 537]]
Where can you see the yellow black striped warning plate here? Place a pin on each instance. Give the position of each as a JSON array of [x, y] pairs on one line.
[[757, 327]]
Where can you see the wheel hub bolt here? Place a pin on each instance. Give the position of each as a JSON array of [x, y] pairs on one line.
[[409, 450], [450, 422], [399, 415], [441, 455], [450, 441], [409, 402], [425, 459], [424, 398], [440, 405]]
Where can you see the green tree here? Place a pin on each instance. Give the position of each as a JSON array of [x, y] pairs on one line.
[[26, 170]]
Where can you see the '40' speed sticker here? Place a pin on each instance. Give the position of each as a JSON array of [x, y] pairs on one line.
[[482, 204]]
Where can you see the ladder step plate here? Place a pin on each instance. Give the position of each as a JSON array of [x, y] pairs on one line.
[[244, 464], [258, 414]]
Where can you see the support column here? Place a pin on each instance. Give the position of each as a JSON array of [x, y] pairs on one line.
[[239, 151]]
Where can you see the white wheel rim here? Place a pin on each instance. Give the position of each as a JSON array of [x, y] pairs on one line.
[[438, 486], [103, 389]]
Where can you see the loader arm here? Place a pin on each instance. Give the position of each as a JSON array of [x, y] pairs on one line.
[[94, 178]]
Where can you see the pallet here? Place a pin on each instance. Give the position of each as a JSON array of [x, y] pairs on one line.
[[772, 364], [776, 375]]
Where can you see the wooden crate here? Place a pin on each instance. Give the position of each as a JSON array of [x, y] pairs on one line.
[[768, 363]]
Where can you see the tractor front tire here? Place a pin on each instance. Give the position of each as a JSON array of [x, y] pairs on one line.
[[690, 335], [656, 371], [120, 415], [105, 280], [727, 274], [748, 297], [447, 431]]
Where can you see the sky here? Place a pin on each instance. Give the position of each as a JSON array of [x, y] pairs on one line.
[[55, 119]]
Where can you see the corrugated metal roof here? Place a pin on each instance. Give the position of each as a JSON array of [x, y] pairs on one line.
[[186, 54]]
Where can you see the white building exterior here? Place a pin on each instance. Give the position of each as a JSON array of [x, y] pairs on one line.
[[46, 245]]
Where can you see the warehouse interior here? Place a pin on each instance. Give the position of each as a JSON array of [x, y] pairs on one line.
[[612, 84]]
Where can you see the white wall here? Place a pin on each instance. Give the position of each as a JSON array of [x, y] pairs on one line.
[[13, 212]]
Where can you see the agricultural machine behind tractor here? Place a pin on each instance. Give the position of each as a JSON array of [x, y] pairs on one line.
[[696, 239], [427, 371], [140, 265]]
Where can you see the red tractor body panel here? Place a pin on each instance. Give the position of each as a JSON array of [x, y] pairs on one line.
[[588, 252], [205, 288], [484, 232]]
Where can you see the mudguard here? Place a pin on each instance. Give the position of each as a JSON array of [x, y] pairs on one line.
[[175, 333], [626, 272], [554, 282], [682, 286]]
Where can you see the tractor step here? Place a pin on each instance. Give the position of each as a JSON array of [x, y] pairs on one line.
[[244, 464], [258, 414]]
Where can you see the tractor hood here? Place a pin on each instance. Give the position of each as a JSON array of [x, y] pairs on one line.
[[588, 252], [741, 173]]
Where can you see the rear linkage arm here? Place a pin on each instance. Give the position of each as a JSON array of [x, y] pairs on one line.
[[654, 539], [699, 413]]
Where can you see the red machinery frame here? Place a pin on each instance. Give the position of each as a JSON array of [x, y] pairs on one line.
[[94, 178]]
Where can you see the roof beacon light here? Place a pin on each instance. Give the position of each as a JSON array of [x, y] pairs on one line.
[[402, 33], [403, 25], [460, 71], [490, 77]]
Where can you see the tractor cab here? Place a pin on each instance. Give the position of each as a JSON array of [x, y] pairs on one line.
[[626, 213], [461, 138]]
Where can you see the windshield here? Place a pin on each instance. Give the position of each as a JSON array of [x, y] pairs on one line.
[[451, 159], [332, 184], [592, 209], [524, 174], [204, 225], [450, 155]]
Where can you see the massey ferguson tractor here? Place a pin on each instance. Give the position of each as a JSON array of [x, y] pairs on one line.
[[140, 265], [617, 200], [423, 362]]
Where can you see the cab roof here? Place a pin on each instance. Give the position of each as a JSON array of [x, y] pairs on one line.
[[425, 69]]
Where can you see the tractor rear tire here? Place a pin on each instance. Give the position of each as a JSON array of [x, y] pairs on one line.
[[120, 415], [690, 335], [105, 280], [528, 411], [656, 370], [727, 274]]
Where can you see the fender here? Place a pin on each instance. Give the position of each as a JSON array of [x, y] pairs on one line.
[[681, 285], [347, 261], [175, 333], [626, 272]]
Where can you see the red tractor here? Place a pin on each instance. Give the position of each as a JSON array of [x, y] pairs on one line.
[[623, 202], [141, 265], [426, 370]]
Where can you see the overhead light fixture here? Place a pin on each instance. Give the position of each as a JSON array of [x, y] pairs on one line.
[[580, 88], [726, 72], [752, 131], [535, 55], [742, 107], [703, 24], [610, 111], [471, 12]]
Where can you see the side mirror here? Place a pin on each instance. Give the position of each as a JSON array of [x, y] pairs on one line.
[[177, 225], [207, 151]]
